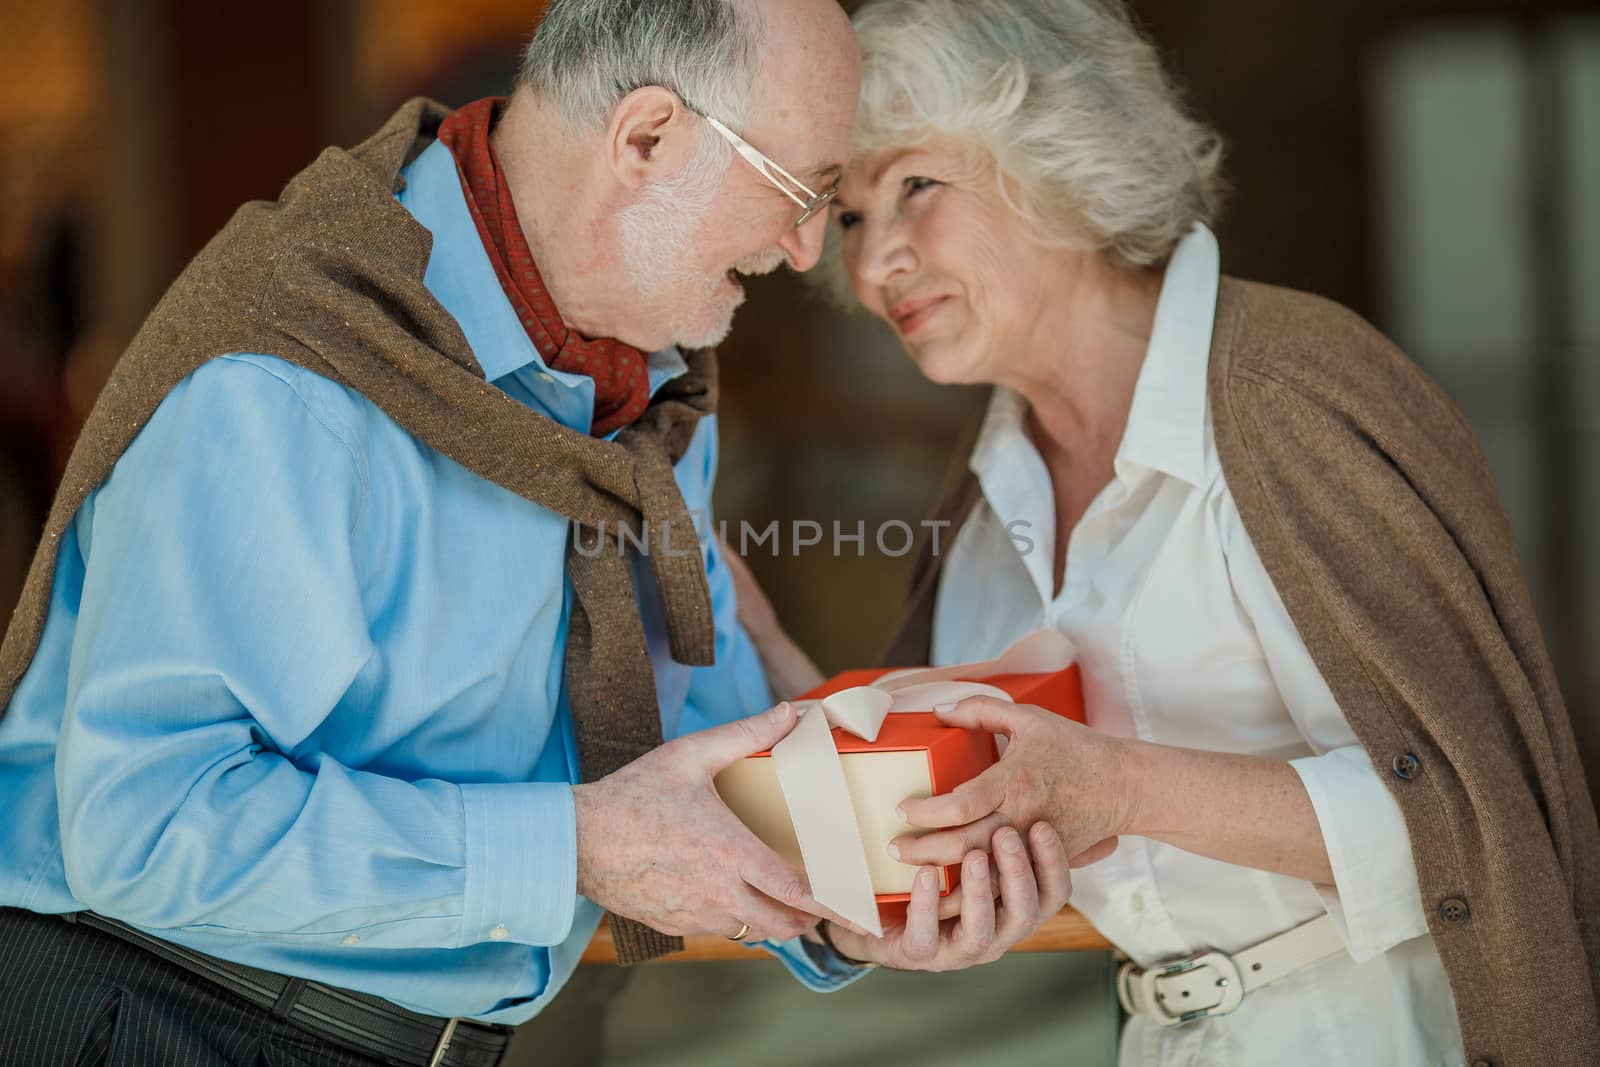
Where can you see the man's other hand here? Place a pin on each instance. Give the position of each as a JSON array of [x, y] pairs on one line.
[[656, 843]]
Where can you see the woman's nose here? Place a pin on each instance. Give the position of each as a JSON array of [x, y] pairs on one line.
[[880, 253]]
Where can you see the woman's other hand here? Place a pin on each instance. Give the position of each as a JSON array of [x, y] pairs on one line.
[[1053, 770], [1034, 884], [1249, 810]]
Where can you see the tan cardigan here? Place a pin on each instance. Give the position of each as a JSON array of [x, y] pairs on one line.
[[1373, 511]]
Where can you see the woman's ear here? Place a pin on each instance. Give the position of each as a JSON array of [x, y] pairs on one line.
[[650, 135]]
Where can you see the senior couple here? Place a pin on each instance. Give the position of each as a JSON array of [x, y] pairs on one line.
[[322, 744]]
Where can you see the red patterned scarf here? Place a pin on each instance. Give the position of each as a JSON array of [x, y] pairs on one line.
[[621, 381]]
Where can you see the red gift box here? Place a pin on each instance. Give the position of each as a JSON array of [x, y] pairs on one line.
[[949, 756]]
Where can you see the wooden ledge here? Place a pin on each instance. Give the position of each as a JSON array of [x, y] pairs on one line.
[[1066, 932]]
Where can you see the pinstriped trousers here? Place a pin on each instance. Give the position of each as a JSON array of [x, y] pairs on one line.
[[71, 996]]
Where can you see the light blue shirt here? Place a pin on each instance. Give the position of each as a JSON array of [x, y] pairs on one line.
[[299, 699]]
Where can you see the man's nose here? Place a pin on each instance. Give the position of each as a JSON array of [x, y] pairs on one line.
[[803, 244]]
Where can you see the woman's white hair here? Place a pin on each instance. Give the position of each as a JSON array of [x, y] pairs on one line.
[[588, 54], [1067, 97]]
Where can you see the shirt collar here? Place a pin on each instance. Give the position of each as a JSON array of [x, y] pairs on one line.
[[1167, 422], [1015, 481], [463, 280], [1000, 436]]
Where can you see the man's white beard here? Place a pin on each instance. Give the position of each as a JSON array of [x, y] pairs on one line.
[[659, 229]]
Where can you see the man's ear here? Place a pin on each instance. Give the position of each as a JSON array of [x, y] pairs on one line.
[[650, 135]]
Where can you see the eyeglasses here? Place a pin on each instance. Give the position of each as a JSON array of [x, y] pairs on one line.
[[810, 203]]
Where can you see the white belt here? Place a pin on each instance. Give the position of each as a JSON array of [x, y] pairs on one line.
[[1214, 983]]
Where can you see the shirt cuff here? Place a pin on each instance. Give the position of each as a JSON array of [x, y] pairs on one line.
[[814, 966], [1375, 901], [522, 863]]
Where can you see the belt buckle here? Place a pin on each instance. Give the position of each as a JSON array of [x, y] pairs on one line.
[[1229, 980], [443, 1044]]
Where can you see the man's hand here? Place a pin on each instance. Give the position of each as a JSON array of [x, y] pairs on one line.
[[1053, 770], [656, 843], [1032, 889]]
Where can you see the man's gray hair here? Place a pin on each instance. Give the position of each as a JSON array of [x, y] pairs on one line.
[[1066, 96], [588, 54]]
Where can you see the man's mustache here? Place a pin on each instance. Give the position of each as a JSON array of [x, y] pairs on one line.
[[762, 262]]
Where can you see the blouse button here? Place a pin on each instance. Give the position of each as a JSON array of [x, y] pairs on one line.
[[1405, 765], [1453, 911]]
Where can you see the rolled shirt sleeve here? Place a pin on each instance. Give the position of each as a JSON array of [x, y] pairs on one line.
[[1375, 901]]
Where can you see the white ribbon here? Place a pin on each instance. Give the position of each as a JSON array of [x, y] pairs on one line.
[[814, 781]]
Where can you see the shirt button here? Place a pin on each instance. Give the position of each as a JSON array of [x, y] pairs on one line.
[[353, 939], [1405, 765], [1137, 903], [499, 933], [543, 377], [1453, 911]]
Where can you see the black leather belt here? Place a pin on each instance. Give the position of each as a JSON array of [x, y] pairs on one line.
[[366, 1024]]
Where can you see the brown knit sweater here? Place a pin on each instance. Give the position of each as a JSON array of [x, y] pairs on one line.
[[329, 276], [1373, 511]]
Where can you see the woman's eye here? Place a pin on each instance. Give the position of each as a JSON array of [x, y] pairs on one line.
[[915, 184]]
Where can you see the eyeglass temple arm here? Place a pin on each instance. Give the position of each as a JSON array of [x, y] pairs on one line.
[[763, 164]]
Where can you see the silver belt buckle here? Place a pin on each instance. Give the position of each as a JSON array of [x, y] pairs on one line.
[[1229, 981], [443, 1044]]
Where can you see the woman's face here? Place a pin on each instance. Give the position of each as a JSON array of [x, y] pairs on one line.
[[933, 249]]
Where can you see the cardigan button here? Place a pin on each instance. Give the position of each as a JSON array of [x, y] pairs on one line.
[[1453, 911], [1482, 1063], [1405, 765]]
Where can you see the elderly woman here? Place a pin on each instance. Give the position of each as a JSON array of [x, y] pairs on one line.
[[1328, 804]]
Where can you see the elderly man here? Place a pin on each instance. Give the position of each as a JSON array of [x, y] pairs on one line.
[[324, 742]]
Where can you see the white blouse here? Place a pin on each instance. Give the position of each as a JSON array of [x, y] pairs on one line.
[[1184, 641]]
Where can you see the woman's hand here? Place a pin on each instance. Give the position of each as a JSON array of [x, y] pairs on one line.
[[1249, 810], [1053, 770], [1034, 884]]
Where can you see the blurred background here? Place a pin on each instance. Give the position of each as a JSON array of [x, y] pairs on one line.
[[1434, 164]]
